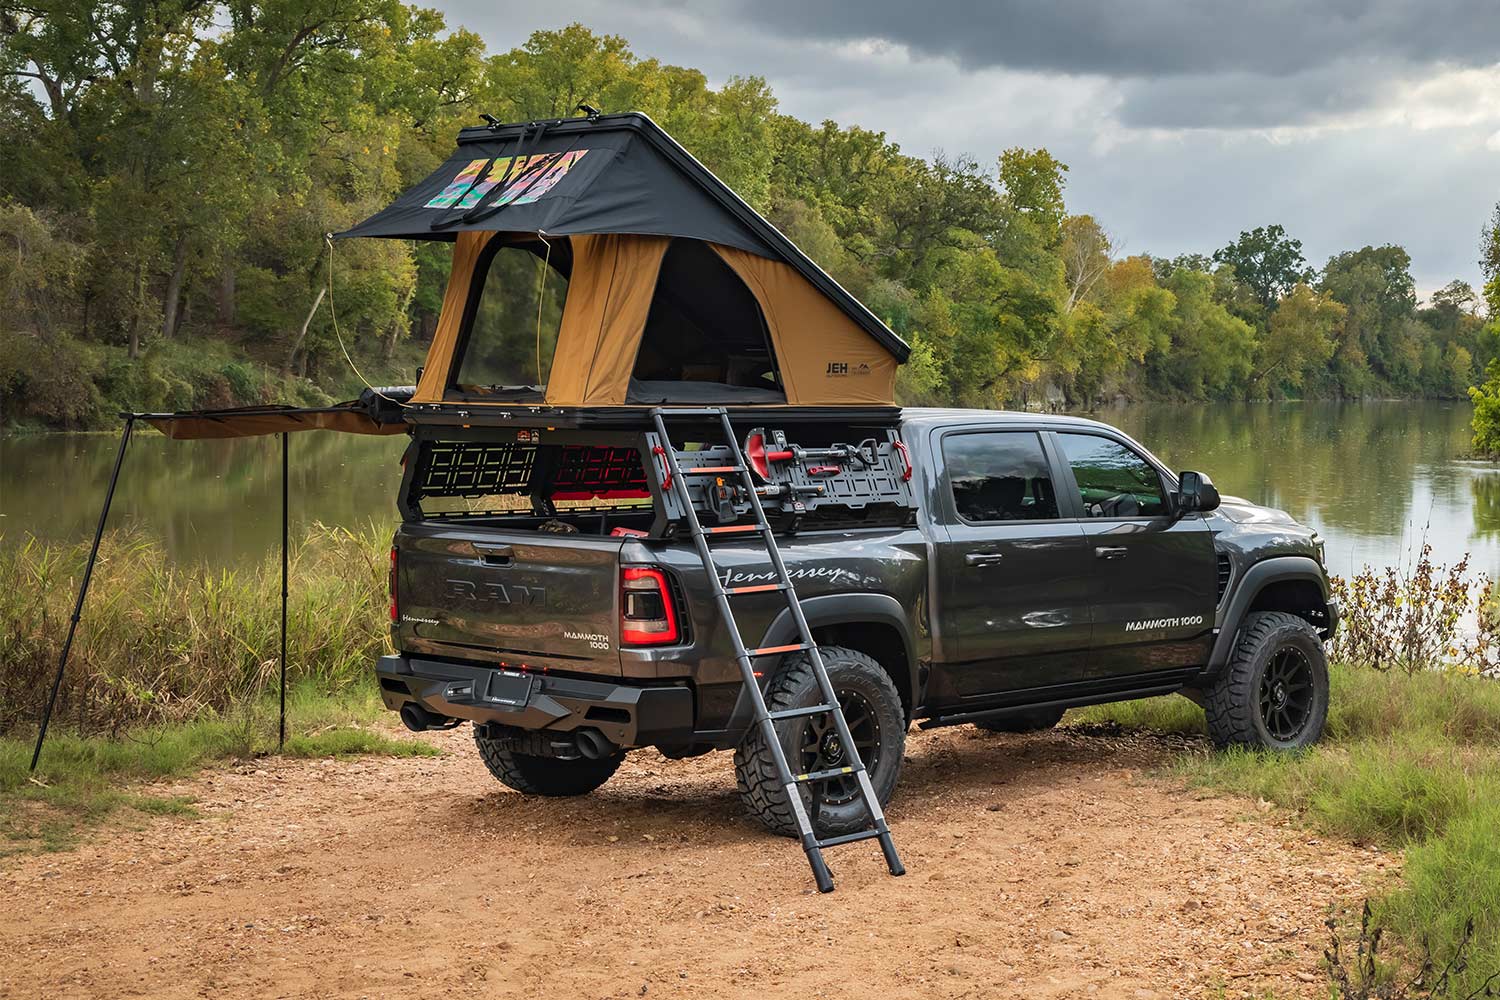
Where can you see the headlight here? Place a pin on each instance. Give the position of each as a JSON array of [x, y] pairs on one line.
[[1318, 548]]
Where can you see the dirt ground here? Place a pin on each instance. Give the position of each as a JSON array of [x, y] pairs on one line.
[[1041, 866]]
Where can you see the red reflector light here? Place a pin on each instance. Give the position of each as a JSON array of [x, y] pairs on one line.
[[393, 583], [647, 617]]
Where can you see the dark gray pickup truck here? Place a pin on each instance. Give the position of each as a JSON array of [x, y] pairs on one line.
[[541, 591]]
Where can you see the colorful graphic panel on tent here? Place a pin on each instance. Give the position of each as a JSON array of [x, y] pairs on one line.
[[596, 263]]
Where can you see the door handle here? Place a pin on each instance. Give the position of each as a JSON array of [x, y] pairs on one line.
[[982, 558], [1111, 552]]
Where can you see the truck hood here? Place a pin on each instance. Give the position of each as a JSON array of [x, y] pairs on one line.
[[1242, 511]]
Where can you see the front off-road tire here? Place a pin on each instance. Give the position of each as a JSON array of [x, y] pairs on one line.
[[1033, 720], [1273, 694], [872, 708], [550, 776]]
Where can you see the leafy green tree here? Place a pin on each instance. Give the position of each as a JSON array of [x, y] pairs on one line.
[[1486, 396], [1130, 318], [1087, 252], [1209, 354], [1033, 182], [1300, 339], [1376, 287], [1268, 261]]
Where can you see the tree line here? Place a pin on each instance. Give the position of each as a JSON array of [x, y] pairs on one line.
[[171, 169]]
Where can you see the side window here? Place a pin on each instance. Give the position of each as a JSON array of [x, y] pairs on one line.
[[999, 476], [1113, 480]]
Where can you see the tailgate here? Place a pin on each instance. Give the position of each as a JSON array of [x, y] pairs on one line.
[[510, 595]]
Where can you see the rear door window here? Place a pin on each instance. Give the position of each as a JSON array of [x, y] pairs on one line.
[[999, 476], [1113, 480]]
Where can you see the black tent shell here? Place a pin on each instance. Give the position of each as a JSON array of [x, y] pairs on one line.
[[618, 173]]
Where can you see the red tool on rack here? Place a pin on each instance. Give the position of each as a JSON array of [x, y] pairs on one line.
[[760, 453]]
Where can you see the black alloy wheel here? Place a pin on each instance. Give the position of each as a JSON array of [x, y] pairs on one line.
[[1273, 692], [1286, 694], [823, 750], [877, 722]]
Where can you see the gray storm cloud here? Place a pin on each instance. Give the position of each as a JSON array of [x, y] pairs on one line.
[[1184, 122]]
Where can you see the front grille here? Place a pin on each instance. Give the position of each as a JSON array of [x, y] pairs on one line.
[[1224, 573]]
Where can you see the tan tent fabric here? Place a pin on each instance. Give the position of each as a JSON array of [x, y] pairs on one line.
[[252, 422], [434, 381], [609, 297], [825, 359]]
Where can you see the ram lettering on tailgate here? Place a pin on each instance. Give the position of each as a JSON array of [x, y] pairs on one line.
[[495, 593]]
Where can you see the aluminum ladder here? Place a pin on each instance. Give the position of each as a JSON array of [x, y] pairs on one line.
[[764, 718]]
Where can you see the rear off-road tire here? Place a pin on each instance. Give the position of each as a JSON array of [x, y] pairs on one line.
[[550, 776], [1273, 693], [876, 720], [1032, 721]]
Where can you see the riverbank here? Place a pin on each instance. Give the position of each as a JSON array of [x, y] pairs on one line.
[[64, 383]]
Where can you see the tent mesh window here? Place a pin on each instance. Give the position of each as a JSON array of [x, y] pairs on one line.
[[513, 316], [705, 332], [530, 482]]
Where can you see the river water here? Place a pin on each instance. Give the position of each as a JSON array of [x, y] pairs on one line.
[[1375, 479]]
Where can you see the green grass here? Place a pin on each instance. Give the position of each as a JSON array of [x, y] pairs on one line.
[[80, 781], [1410, 763]]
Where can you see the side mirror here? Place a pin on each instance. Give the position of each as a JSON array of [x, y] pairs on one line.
[[1196, 492]]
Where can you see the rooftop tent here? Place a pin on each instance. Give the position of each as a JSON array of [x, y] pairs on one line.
[[596, 263]]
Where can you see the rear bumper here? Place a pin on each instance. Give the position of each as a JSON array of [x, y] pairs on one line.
[[629, 715]]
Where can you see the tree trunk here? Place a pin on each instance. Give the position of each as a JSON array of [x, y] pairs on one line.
[[135, 312], [174, 288], [388, 349], [291, 357], [226, 293]]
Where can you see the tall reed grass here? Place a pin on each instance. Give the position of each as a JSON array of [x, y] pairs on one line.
[[160, 642]]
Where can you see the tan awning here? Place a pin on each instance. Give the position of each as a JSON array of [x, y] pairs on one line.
[[253, 421]]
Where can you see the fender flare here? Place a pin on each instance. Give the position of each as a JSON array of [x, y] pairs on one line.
[[842, 609], [1255, 579]]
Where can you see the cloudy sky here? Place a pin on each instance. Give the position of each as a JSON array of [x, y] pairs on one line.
[[1184, 121]]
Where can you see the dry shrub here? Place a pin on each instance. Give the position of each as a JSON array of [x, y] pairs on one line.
[[1429, 617]]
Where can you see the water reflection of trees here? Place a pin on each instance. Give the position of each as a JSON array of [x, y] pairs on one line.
[[1485, 488], [1357, 466], [1354, 464], [216, 500]]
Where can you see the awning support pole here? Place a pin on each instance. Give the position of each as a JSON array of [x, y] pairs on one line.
[[83, 589], [281, 739]]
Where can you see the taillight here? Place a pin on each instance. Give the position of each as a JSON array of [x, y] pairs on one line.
[[393, 583], [647, 617]]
